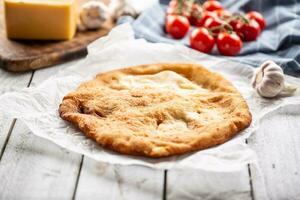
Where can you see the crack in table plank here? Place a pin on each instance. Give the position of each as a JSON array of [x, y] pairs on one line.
[[10, 82]]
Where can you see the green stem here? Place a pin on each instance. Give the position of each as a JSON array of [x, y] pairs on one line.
[[223, 27], [237, 16], [180, 6]]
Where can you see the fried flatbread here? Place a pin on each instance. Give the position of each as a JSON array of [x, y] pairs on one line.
[[157, 110]]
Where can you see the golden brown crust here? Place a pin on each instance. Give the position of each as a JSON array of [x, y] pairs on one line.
[[205, 111]]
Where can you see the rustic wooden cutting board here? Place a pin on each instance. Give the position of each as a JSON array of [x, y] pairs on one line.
[[17, 55]]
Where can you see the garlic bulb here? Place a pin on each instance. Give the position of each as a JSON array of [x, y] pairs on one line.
[[93, 15], [268, 81], [118, 8]]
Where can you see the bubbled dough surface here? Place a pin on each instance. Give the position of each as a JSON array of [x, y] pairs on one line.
[[157, 110]]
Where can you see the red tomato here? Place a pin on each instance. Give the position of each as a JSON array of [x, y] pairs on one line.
[[234, 24], [177, 26], [205, 15], [212, 5], [229, 44], [174, 9], [258, 18], [214, 23], [223, 13], [195, 14], [248, 31], [201, 40]]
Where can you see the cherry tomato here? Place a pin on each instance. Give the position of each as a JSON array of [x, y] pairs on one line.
[[205, 15], [258, 18], [248, 31], [212, 5], [214, 25], [223, 13], [174, 9], [229, 44], [236, 24], [195, 14], [201, 40], [177, 26]]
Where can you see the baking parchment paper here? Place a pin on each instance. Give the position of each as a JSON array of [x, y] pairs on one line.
[[38, 106]]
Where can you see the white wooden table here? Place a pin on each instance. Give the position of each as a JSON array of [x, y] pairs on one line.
[[34, 168]]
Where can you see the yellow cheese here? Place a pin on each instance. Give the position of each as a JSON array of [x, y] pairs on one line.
[[40, 19]]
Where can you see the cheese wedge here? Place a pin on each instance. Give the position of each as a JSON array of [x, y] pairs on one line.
[[40, 19]]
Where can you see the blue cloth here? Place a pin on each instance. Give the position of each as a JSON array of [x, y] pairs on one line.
[[280, 41]]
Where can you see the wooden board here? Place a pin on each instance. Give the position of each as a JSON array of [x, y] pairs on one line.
[[34, 168], [104, 181], [47, 171], [43, 170], [37, 167], [10, 82], [21, 55], [277, 144], [199, 184]]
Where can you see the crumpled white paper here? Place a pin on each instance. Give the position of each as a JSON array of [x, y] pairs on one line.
[[37, 107]]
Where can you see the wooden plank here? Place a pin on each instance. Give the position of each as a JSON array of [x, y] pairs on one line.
[[277, 144], [104, 181], [10, 82], [46, 171], [33, 168], [38, 168], [198, 184], [23, 55]]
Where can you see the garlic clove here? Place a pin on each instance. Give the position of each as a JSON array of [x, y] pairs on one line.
[[80, 25], [118, 8], [269, 88], [288, 89], [268, 81], [93, 15], [115, 8]]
